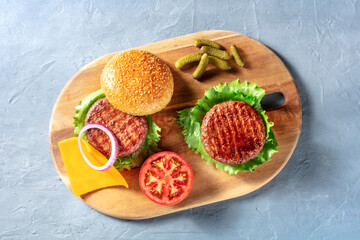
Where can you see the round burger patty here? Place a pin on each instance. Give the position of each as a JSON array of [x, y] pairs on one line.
[[131, 131], [233, 132]]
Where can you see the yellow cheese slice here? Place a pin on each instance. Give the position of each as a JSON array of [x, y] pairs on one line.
[[83, 178]]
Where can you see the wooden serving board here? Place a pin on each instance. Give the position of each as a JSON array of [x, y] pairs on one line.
[[210, 184]]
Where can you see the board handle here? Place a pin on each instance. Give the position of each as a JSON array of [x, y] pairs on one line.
[[272, 100]]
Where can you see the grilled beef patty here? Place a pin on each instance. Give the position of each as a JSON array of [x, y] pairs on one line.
[[233, 132], [131, 131]]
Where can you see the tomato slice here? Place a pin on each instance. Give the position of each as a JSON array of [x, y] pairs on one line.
[[166, 178]]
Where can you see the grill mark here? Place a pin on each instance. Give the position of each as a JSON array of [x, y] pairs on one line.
[[241, 130], [246, 130], [231, 123], [214, 141], [217, 139], [224, 131], [238, 132], [253, 129], [131, 131], [136, 128], [259, 129], [251, 142]]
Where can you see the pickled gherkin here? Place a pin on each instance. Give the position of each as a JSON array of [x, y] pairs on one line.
[[236, 55], [215, 52], [219, 63], [199, 71], [193, 57], [206, 42]]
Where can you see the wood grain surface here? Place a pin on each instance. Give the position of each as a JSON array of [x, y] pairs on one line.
[[210, 184]]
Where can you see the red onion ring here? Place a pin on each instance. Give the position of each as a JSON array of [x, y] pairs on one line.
[[114, 146]]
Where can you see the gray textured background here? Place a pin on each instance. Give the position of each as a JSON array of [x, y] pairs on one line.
[[316, 196]]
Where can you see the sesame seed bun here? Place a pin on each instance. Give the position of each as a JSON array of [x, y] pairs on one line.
[[137, 82]]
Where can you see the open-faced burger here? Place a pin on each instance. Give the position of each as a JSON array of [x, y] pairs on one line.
[[233, 132], [228, 127]]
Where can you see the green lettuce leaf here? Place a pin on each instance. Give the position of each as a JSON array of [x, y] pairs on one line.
[[136, 159], [82, 109], [191, 119]]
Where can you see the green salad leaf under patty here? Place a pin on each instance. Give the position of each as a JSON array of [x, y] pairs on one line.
[[191, 119], [135, 159]]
